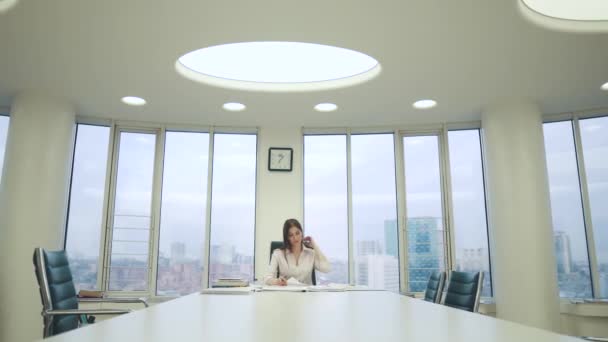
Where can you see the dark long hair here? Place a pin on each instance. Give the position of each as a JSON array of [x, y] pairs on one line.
[[288, 224]]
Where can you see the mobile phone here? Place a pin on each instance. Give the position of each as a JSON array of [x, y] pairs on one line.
[[307, 242]]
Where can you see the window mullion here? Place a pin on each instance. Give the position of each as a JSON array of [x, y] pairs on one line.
[[104, 218], [349, 193], [153, 244], [110, 204], [401, 211], [582, 174], [206, 246], [449, 233]]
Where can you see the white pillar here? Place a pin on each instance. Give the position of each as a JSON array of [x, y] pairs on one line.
[[524, 271], [33, 201]]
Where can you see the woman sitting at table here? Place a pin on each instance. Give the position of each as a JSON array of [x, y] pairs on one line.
[[297, 258]]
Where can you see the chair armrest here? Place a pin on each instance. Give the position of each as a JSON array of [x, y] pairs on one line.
[[114, 300], [85, 312]]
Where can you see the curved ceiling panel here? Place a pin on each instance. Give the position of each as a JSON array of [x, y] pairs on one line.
[[567, 15]]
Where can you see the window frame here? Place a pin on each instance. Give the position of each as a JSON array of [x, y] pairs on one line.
[[441, 132], [105, 249], [574, 118]]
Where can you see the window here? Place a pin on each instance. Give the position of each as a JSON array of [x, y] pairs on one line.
[[374, 207], [326, 202], [468, 205], [594, 140], [138, 217], [132, 216], [85, 213], [4, 120], [233, 206], [183, 213], [570, 244], [423, 198]]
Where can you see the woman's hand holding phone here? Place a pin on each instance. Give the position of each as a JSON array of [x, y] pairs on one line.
[[309, 242]]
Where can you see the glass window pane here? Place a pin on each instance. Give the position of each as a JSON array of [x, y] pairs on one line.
[[233, 206], [132, 212], [469, 206], [424, 210], [374, 205], [85, 214], [569, 237], [325, 202], [594, 136], [183, 213], [4, 121]]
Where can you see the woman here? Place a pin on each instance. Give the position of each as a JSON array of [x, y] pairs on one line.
[[297, 258]]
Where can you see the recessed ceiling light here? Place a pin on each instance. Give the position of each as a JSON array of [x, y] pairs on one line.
[[425, 104], [133, 101], [234, 106], [277, 66], [605, 86], [326, 107]]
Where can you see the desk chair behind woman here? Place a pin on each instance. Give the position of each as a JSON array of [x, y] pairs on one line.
[[299, 256]]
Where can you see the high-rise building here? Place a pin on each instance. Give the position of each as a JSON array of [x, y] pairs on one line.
[[368, 247], [472, 260], [391, 238], [563, 253], [425, 246], [378, 271], [178, 252], [603, 285]]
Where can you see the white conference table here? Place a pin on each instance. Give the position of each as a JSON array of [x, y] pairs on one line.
[[308, 316]]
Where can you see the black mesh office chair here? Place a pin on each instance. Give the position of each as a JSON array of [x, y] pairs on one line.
[[60, 311], [434, 288], [464, 290], [279, 244]]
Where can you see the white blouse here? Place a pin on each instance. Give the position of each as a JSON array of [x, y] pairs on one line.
[[285, 262]]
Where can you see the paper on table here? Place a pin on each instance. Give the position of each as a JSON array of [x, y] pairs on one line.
[[331, 287], [288, 288], [294, 281], [228, 290]]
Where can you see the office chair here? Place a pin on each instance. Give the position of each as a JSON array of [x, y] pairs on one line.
[[434, 288], [464, 290], [60, 311], [279, 244]]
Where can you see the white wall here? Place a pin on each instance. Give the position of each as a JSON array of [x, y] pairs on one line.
[[279, 194]]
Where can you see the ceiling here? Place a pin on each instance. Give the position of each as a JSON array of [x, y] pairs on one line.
[[464, 54]]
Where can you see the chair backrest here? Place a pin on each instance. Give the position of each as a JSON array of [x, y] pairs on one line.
[[464, 290], [57, 290], [279, 244], [434, 288]]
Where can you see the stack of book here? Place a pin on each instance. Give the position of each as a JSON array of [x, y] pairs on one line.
[[230, 282]]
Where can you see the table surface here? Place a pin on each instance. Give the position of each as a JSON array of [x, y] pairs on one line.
[[293, 317]]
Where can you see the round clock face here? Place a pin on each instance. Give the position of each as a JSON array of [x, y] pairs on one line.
[[280, 159]]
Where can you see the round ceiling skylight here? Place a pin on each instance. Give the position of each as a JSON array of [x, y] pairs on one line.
[[605, 86], [568, 15], [277, 66]]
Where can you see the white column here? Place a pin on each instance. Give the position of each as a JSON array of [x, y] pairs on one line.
[[523, 261], [33, 201]]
